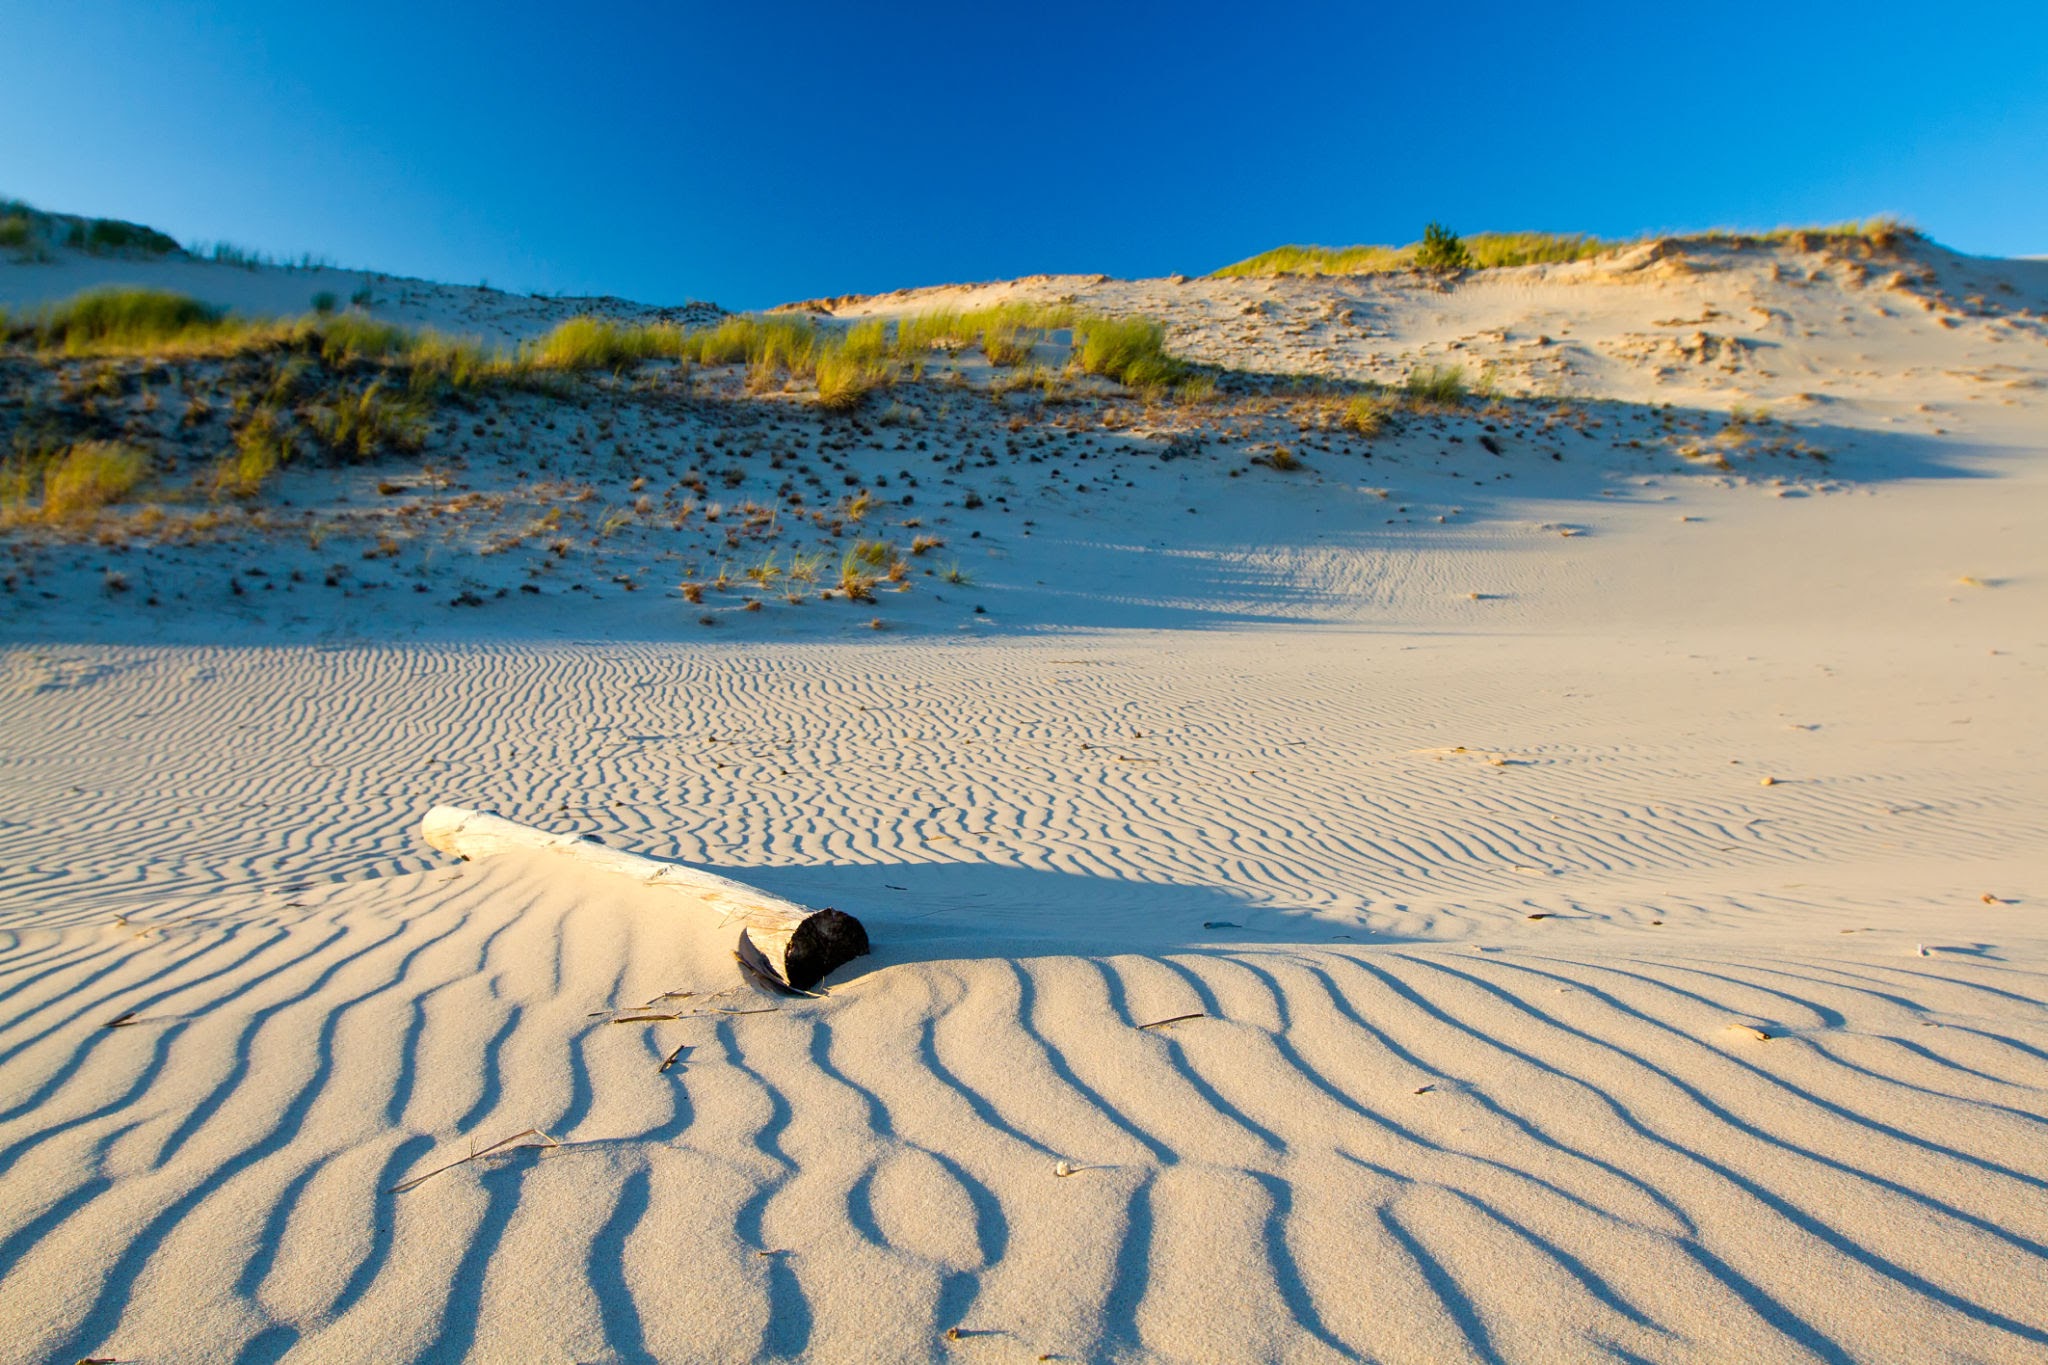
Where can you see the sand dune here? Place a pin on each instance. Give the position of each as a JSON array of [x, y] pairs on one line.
[[1623, 945]]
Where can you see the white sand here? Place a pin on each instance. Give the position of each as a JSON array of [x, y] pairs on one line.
[[1484, 902]]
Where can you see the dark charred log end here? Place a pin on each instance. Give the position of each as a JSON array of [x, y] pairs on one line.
[[823, 942]]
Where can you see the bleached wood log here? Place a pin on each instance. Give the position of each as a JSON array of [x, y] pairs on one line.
[[789, 943]]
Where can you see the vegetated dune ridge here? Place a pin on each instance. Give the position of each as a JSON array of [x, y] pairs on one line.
[[1616, 944]]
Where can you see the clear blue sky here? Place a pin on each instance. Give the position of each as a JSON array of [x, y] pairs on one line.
[[754, 153]]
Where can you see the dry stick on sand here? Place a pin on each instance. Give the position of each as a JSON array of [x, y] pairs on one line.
[[546, 1143], [1162, 1023], [789, 944]]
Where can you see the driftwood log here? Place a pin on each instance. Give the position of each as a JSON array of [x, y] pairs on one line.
[[790, 944]]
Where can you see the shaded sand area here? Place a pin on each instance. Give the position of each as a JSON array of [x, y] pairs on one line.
[[1618, 945]]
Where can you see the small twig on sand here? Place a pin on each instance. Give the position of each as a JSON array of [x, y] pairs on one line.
[[672, 1058], [545, 1142], [120, 1020], [1162, 1023]]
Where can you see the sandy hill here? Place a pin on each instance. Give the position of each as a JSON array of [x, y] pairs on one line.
[[1560, 743]]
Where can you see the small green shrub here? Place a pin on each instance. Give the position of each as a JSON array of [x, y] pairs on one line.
[[1442, 250], [89, 476], [324, 302], [101, 236]]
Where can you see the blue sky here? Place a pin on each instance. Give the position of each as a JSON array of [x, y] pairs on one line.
[[754, 154]]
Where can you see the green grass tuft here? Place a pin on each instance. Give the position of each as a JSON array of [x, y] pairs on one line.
[[1439, 385], [587, 343], [116, 318], [264, 445], [1487, 251], [363, 426], [846, 375], [1132, 351]]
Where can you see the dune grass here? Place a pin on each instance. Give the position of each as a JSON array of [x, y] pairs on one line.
[[846, 376], [1132, 351], [1437, 385], [1365, 414], [588, 343], [102, 236], [124, 319], [88, 476], [265, 444], [362, 426], [348, 337], [1486, 250], [25, 227], [846, 365], [1494, 250], [1884, 233], [1011, 327]]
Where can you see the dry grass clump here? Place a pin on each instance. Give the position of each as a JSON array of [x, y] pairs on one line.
[[1365, 414], [78, 483], [856, 580]]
